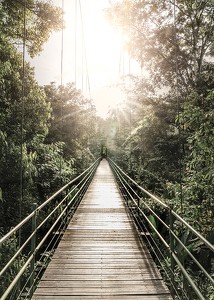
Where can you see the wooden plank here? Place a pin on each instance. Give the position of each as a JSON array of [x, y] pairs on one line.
[[119, 255], [109, 297], [100, 255], [128, 284], [82, 275], [103, 272], [126, 290]]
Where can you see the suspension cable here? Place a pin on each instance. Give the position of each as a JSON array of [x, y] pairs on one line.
[[62, 45], [84, 50], [61, 85], [22, 114], [22, 132], [75, 45], [178, 107]]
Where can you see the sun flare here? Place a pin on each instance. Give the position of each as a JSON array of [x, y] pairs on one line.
[[91, 54], [102, 45]]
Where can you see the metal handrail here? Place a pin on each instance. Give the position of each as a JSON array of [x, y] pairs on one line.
[[64, 209], [168, 240]]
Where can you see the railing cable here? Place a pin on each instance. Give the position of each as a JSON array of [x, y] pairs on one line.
[[165, 233], [56, 217]]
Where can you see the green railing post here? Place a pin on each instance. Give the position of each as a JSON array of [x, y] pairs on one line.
[[33, 247], [65, 218], [172, 248], [138, 203], [138, 207]]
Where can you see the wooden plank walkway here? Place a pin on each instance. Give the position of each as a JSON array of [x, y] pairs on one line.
[[100, 256]]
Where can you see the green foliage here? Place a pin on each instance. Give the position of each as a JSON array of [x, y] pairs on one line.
[[33, 111], [163, 136], [72, 122], [46, 134], [158, 46], [154, 224], [164, 129], [7, 250], [53, 170], [41, 18]]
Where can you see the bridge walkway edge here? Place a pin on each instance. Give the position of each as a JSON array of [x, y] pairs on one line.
[[100, 255]]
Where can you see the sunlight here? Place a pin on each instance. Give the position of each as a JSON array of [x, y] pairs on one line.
[[102, 56], [106, 99], [103, 46]]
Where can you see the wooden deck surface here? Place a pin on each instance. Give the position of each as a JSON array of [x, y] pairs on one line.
[[100, 256]]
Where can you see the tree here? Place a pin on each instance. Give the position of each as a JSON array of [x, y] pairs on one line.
[[73, 123], [33, 111], [40, 18], [163, 43], [173, 45], [172, 136], [24, 109]]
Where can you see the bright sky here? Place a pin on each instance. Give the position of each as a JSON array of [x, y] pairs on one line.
[[103, 46]]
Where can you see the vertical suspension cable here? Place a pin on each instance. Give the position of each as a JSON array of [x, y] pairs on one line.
[[123, 62], [120, 59], [75, 44], [84, 49], [22, 135], [22, 115], [82, 62], [62, 46], [178, 107], [61, 83]]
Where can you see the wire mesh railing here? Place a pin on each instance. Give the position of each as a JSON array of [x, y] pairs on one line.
[[178, 249], [23, 262]]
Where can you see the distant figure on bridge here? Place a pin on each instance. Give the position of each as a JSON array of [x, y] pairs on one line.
[[103, 152]]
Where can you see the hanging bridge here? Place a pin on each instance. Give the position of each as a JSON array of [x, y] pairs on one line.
[[98, 238], [102, 235]]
